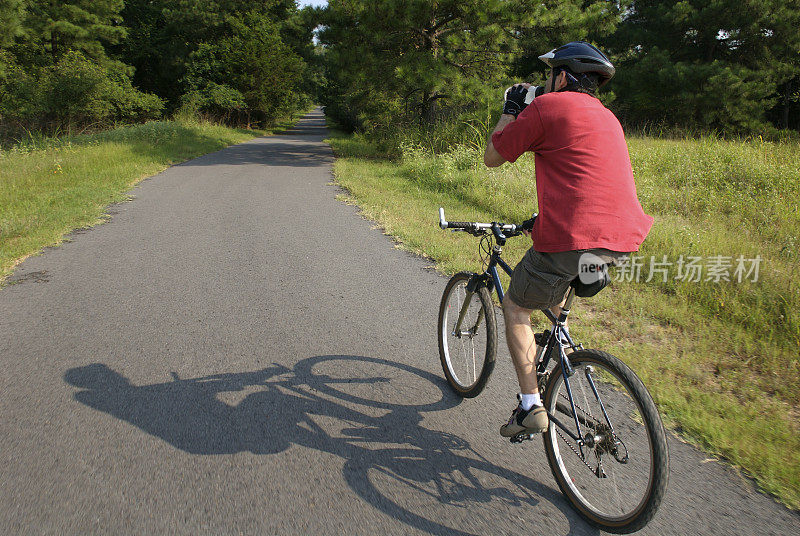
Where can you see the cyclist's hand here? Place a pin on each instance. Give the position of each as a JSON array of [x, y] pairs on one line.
[[527, 227], [515, 99], [528, 233]]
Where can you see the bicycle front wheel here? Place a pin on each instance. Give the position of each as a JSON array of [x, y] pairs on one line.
[[468, 351], [617, 478]]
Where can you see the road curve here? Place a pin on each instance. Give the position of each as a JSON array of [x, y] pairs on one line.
[[236, 351]]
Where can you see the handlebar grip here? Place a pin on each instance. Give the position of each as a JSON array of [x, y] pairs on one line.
[[527, 225], [459, 225]]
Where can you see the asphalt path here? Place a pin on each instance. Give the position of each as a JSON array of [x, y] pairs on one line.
[[237, 351]]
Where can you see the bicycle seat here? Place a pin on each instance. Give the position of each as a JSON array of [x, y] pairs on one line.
[[587, 290]]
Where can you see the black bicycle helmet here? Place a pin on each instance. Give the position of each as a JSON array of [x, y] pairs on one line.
[[580, 57]]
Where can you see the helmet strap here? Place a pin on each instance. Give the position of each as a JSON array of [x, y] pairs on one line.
[[572, 79], [572, 82]]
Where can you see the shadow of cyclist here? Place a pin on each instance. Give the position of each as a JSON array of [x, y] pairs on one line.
[[281, 407]]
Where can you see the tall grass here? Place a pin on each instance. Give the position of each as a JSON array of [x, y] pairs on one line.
[[721, 358], [50, 186]]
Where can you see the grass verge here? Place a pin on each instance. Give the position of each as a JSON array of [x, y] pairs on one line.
[[50, 187], [719, 357]]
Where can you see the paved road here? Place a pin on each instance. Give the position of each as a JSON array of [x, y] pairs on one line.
[[238, 352]]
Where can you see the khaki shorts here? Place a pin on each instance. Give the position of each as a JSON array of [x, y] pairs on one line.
[[541, 280]]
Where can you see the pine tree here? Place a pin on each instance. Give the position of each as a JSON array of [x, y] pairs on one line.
[[783, 42], [11, 13], [388, 56], [56, 71], [422, 58], [55, 27], [713, 64]]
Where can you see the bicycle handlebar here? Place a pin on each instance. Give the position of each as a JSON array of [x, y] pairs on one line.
[[473, 227]]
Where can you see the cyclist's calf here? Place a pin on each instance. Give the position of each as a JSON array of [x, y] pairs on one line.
[[521, 345]]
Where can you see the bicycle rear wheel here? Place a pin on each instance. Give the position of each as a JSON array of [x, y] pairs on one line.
[[468, 356], [618, 478]]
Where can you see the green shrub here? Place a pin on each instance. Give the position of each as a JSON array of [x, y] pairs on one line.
[[74, 93], [218, 100]]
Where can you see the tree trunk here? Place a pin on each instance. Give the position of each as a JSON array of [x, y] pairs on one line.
[[711, 47], [785, 112], [429, 108]]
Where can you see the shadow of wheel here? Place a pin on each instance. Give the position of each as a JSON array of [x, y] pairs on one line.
[[429, 472]]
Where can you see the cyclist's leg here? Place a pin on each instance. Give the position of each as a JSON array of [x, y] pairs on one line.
[[534, 286], [529, 415], [536, 283], [521, 344]]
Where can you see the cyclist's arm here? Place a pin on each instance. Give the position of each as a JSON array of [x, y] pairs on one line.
[[491, 157]]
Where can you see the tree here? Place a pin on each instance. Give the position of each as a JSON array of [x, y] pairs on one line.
[[55, 71], [425, 52], [11, 13], [53, 28], [169, 40], [437, 57], [250, 73], [783, 42], [713, 64]]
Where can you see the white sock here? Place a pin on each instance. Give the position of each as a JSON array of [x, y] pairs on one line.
[[528, 401]]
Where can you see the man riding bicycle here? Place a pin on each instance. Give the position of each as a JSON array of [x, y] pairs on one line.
[[586, 196]]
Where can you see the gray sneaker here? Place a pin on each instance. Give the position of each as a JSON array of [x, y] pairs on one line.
[[532, 421]]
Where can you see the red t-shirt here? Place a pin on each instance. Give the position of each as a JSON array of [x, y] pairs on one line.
[[584, 181]]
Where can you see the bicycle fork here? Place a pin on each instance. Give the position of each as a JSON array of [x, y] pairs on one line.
[[472, 287], [490, 279]]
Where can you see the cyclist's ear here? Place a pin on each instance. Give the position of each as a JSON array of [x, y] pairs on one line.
[[561, 80]]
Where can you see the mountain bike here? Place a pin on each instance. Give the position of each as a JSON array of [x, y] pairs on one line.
[[605, 444]]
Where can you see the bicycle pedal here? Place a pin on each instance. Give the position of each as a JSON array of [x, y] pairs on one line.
[[519, 438]]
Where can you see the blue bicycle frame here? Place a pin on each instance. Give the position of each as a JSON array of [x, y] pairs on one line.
[[491, 279]]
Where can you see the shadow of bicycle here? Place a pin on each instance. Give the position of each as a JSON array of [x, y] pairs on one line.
[[269, 410]]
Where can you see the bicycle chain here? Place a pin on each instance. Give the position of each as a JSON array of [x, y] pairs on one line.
[[573, 450], [581, 458], [592, 417], [596, 422]]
